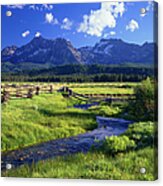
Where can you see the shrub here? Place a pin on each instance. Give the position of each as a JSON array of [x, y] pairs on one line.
[[116, 144], [144, 134], [138, 136], [144, 106], [104, 110]]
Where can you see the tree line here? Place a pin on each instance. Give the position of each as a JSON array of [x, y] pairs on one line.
[[82, 73]]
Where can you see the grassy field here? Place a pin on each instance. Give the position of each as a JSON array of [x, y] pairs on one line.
[[100, 164], [45, 117], [104, 90], [92, 166], [86, 88], [91, 84]]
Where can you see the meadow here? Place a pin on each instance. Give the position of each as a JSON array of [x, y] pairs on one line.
[[27, 122], [92, 166], [43, 118]]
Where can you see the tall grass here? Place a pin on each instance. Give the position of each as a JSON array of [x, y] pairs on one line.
[[29, 121], [92, 166]]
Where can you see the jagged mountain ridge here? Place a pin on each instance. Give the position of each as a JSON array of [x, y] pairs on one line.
[[40, 50], [116, 51], [60, 51], [8, 52]]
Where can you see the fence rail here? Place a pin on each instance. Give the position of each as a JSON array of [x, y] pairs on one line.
[[23, 91], [67, 92], [12, 91]]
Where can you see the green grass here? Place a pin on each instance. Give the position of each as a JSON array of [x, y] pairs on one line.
[[45, 117], [29, 121], [97, 88], [113, 160], [103, 90], [92, 166], [102, 84]]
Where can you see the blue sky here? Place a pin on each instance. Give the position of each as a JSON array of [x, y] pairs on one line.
[[83, 23]]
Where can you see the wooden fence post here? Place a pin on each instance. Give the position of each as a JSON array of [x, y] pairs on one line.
[[70, 92], [17, 93], [37, 91], [30, 93], [65, 89], [5, 96], [51, 89]]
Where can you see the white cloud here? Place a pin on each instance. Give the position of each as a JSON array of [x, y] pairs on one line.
[[150, 5], [112, 33], [26, 33], [41, 7], [38, 34], [34, 7], [132, 25], [66, 24], [143, 15], [49, 18], [106, 35], [95, 23], [47, 7], [18, 6], [119, 9]]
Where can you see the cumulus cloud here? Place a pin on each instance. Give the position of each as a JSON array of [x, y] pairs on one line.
[[66, 24], [26, 33], [49, 18], [18, 6], [105, 17], [38, 34], [132, 25]]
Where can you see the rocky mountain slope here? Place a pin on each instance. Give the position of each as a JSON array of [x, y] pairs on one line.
[[41, 51]]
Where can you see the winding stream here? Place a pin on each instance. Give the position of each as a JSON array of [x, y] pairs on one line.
[[66, 146]]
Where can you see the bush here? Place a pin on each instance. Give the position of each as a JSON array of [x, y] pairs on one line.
[[104, 110], [138, 136], [116, 144], [144, 134], [144, 106]]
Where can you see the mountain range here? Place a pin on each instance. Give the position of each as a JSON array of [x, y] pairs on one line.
[[45, 53]]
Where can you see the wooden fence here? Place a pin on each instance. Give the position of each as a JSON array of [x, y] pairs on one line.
[[23, 91], [67, 92], [12, 91]]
